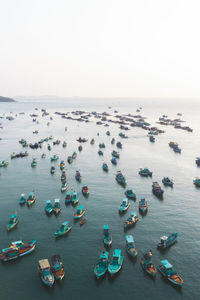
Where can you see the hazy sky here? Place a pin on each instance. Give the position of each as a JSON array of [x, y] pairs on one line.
[[114, 48]]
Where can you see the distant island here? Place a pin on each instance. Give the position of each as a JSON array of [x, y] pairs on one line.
[[6, 99]]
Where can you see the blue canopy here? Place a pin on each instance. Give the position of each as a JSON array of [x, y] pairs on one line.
[[80, 207], [48, 201], [133, 213], [166, 264], [129, 239], [65, 223], [117, 252], [105, 227]]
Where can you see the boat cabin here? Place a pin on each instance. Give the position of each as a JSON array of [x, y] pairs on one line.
[[106, 229]]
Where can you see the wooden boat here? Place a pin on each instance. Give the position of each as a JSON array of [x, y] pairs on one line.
[[147, 264], [45, 273], [49, 207], [69, 159], [78, 176], [129, 194], [85, 190], [74, 155], [43, 155], [130, 246], [68, 197], [156, 189], [145, 172], [74, 199], [131, 221], [143, 207], [166, 269], [80, 148], [113, 161], [167, 181], [107, 237], [152, 138], [120, 178], [83, 221], [102, 145], [57, 267], [54, 157], [105, 167], [22, 199], [119, 145], [12, 222], [101, 267], [80, 212], [62, 164], [64, 229], [115, 154], [56, 207], [49, 147], [31, 199], [34, 163], [124, 206], [52, 170], [17, 249], [116, 262], [64, 187], [92, 141], [3, 164], [196, 182], [167, 241], [64, 144], [112, 141], [100, 152]]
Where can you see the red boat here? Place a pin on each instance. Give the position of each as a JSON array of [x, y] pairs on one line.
[[17, 249]]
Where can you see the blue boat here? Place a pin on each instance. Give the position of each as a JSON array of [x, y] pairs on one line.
[[143, 206], [145, 172], [49, 207], [22, 199], [100, 152], [78, 176], [115, 154], [196, 182], [197, 161], [166, 241], [70, 159], [105, 167], [167, 181], [119, 145], [116, 262], [124, 206], [120, 178], [74, 199], [156, 189], [113, 141], [113, 161], [107, 237], [64, 229], [102, 145], [80, 212], [131, 221], [129, 194], [101, 267], [68, 197], [166, 269], [177, 149], [45, 272], [130, 246], [152, 138]]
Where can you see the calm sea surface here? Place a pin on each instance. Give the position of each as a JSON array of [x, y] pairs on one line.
[[179, 211]]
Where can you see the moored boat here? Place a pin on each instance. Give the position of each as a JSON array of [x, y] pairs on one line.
[[101, 267], [34, 163], [64, 229], [31, 199], [78, 176], [4, 163], [85, 190], [45, 273], [64, 144], [83, 221], [52, 170], [113, 161], [48, 207], [129, 194], [56, 207], [69, 159], [124, 206], [22, 199], [119, 145], [105, 167], [197, 161], [17, 249], [74, 155], [113, 141], [68, 197], [156, 189], [167, 181], [152, 138], [54, 157], [166, 269], [107, 237], [145, 172], [12, 222], [57, 267], [116, 262], [64, 187], [120, 178], [92, 141], [100, 152], [62, 164], [147, 264], [143, 207], [80, 212], [196, 182], [74, 199], [166, 241], [131, 221], [130, 246], [115, 154]]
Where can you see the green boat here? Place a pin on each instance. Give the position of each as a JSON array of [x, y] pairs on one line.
[[22, 199], [130, 246], [116, 262], [196, 182], [54, 157], [112, 141], [80, 212], [145, 172], [64, 144], [4, 163], [107, 237], [101, 267], [74, 155], [92, 141], [49, 207], [31, 199], [56, 207], [12, 222], [49, 147], [64, 229], [74, 199], [52, 170], [34, 163], [166, 269]]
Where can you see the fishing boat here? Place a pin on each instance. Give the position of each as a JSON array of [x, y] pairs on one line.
[[74, 155], [156, 189], [197, 161], [85, 191], [69, 159], [105, 167], [45, 273], [22, 199], [131, 221], [56, 207], [129, 194], [64, 187], [4, 164], [130, 246], [43, 155], [57, 267], [83, 221], [145, 172], [113, 141], [31, 199], [120, 178], [63, 177], [166, 269], [115, 154], [62, 164], [116, 262], [54, 157], [12, 222], [101, 267], [107, 237], [152, 138], [64, 144], [74, 199], [196, 182], [166, 241], [100, 152], [57, 142], [64, 229], [17, 249], [108, 133], [124, 206], [49, 147], [78, 176], [48, 207], [119, 145], [68, 197], [113, 161], [52, 170], [92, 141], [177, 149], [173, 144], [80, 148], [80, 212], [167, 181], [122, 135], [102, 145], [34, 163], [147, 264], [143, 207]]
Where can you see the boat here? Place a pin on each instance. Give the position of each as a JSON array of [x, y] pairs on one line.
[[34, 163], [113, 141], [56, 207], [131, 221], [120, 178], [166, 269], [68, 197], [49, 207], [152, 138], [119, 145], [173, 144], [69, 159], [64, 187], [64, 229], [57, 142], [74, 199], [4, 164], [105, 167], [92, 141], [64, 144], [22, 199], [12, 222], [62, 164], [129, 194], [17, 249], [197, 161], [65, 128], [167, 181], [52, 170], [177, 149], [54, 157], [78, 176], [85, 191], [196, 182], [83, 221], [43, 155], [31, 199], [45, 272], [63, 177], [143, 205], [166, 241], [113, 161], [124, 206], [80, 148], [122, 135], [74, 155], [156, 189], [57, 267], [108, 133], [107, 237], [147, 264], [116, 262], [115, 154], [130, 246], [101, 267], [145, 172], [100, 152], [49, 147], [102, 145], [80, 212]]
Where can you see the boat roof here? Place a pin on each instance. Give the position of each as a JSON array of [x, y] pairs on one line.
[[129, 189], [80, 207], [129, 239], [125, 200], [48, 201], [133, 213], [44, 263], [65, 223], [57, 200], [117, 252], [105, 227], [166, 264]]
